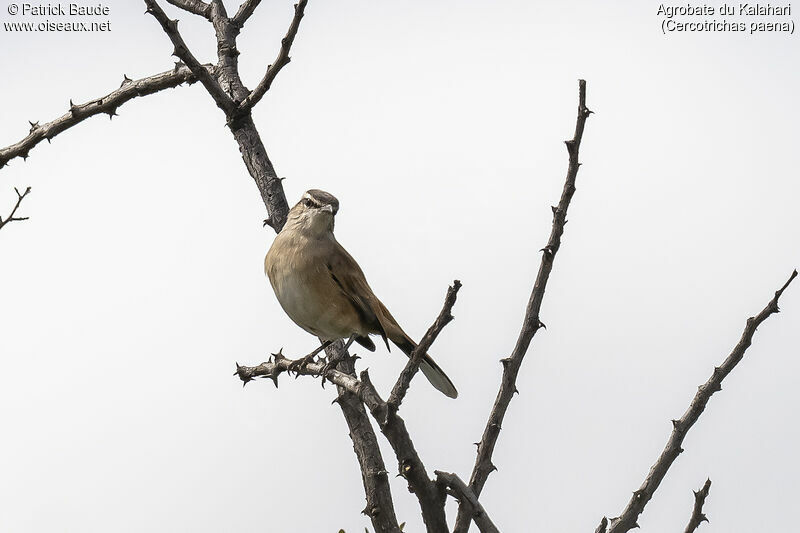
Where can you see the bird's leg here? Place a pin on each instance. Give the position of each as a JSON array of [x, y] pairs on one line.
[[333, 361], [303, 361]]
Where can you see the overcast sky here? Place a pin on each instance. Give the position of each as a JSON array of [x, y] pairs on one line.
[[138, 280]]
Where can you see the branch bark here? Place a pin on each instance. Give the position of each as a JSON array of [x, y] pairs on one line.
[[245, 11], [197, 7], [531, 323], [374, 476], [108, 104], [627, 520], [281, 61], [11, 217], [698, 517], [462, 492]]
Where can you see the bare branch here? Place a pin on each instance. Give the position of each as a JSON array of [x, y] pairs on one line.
[[281, 61], [351, 398], [463, 493], [375, 477], [404, 380], [107, 104], [197, 7], [627, 520], [11, 217], [531, 323], [245, 11], [430, 495], [279, 363], [697, 513], [181, 51]]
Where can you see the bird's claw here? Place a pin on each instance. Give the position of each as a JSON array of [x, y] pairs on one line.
[[298, 365], [330, 364]]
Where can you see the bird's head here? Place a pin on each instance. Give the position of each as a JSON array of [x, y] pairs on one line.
[[314, 212]]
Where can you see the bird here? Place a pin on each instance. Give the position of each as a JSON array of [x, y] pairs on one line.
[[324, 291]]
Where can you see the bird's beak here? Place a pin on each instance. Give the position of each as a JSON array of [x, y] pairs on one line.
[[328, 208]]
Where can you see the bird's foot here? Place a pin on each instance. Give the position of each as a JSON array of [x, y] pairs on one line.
[[330, 363], [298, 365]]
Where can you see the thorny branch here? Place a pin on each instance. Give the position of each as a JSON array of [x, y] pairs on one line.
[[182, 52], [680, 427], [698, 517], [462, 493], [430, 494], [108, 104], [531, 323], [11, 217], [404, 380], [281, 61]]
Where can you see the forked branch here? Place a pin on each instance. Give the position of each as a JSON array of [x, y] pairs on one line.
[[531, 323], [182, 52], [459, 490], [680, 427], [11, 217]]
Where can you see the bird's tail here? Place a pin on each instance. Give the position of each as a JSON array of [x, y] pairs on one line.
[[432, 371]]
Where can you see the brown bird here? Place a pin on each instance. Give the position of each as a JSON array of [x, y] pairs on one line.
[[323, 290]]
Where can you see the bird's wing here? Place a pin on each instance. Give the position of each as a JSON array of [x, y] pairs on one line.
[[348, 276]]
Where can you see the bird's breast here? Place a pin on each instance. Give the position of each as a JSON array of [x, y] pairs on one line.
[[298, 272]]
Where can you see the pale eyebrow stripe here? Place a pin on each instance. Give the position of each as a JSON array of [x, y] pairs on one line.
[[316, 202]]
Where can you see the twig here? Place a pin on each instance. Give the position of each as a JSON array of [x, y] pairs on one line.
[[281, 61], [697, 513], [627, 520], [531, 323], [463, 493], [197, 7], [181, 51], [404, 380], [11, 217], [245, 11], [107, 104], [602, 527]]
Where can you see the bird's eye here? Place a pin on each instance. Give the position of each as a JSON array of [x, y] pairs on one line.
[[307, 202]]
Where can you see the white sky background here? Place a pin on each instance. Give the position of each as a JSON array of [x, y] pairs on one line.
[[138, 280]]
